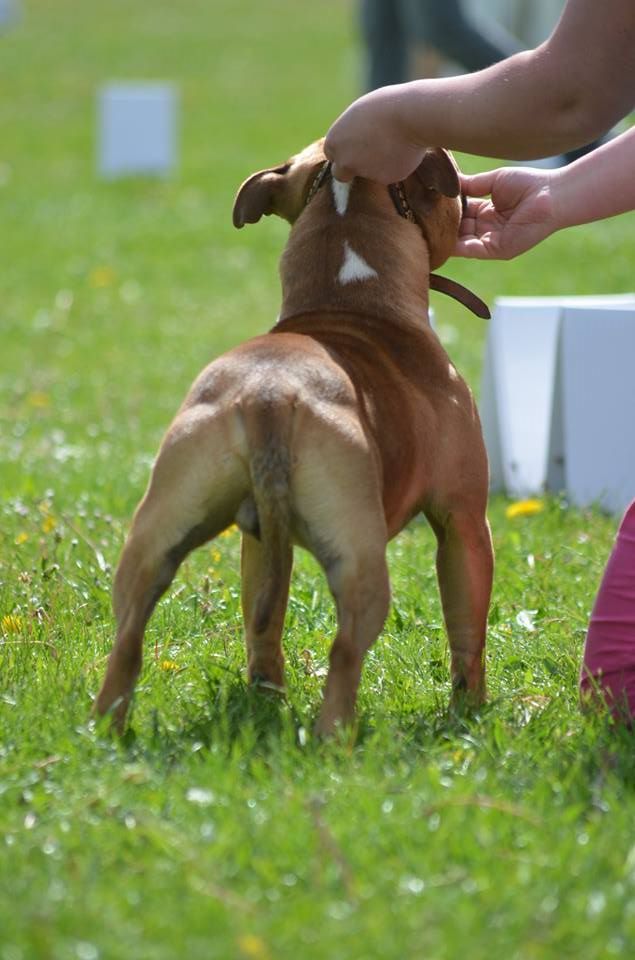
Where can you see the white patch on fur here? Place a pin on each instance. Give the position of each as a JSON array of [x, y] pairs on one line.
[[354, 267], [341, 193]]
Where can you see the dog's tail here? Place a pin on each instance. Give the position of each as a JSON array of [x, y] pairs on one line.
[[267, 513]]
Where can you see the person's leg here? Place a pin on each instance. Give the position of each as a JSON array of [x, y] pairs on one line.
[[608, 667], [444, 25], [385, 42]]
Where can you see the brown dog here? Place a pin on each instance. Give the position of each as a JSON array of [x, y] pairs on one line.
[[330, 432]]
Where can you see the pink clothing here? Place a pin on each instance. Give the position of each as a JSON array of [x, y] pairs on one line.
[[608, 667]]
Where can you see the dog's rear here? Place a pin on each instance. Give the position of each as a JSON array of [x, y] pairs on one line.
[[329, 432]]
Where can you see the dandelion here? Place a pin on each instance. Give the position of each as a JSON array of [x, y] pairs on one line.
[[21, 538], [252, 946], [102, 277], [169, 665], [48, 524], [11, 623], [215, 555], [38, 400], [230, 531], [524, 508]]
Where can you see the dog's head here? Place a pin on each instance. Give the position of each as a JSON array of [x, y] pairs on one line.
[[430, 196]]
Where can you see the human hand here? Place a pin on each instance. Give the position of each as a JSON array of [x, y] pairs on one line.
[[370, 139], [518, 212]]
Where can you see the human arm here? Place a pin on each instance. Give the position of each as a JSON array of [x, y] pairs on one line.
[[540, 102], [526, 205]]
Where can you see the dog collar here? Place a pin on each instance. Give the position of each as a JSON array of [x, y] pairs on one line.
[[441, 284], [322, 174], [398, 196]]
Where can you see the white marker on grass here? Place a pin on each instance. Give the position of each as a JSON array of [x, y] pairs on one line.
[[137, 129]]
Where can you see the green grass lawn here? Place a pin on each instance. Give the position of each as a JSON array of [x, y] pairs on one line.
[[219, 828]]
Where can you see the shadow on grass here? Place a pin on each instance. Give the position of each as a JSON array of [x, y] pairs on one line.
[[255, 724], [234, 716], [227, 715]]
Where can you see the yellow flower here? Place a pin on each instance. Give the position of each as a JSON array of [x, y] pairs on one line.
[[216, 557], [21, 538], [253, 947], [49, 523], [102, 277], [11, 623], [524, 508], [38, 399], [230, 531], [169, 665]]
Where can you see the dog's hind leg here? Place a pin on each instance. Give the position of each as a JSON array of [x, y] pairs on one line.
[[465, 568], [192, 496], [339, 500], [360, 585], [143, 574]]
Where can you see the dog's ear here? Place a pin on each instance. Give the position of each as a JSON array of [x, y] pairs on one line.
[[433, 192], [257, 195], [281, 190], [438, 173]]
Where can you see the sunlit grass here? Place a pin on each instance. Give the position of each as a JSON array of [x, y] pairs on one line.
[[219, 828]]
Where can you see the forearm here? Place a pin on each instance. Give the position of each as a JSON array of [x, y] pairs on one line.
[[540, 102], [599, 185], [491, 113]]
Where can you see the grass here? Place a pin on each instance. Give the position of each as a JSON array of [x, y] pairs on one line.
[[219, 828]]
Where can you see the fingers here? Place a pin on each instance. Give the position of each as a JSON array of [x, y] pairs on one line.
[[341, 173], [474, 248], [475, 208], [478, 184], [339, 170]]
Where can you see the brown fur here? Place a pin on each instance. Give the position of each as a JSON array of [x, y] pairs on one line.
[[329, 432]]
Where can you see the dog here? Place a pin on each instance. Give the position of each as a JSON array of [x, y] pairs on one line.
[[330, 432]]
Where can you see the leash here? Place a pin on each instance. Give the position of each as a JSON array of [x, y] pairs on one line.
[[463, 294], [441, 284]]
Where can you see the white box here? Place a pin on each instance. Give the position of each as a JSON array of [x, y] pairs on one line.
[[137, 129], [592, 444], [522, 392]]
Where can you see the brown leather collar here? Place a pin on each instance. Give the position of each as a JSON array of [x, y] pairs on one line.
[[398, 196], [441, 284]]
